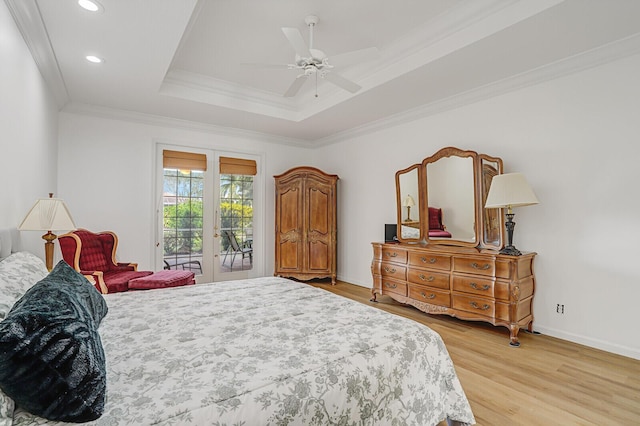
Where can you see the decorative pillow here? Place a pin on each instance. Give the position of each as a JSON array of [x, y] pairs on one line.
[[18, 273], [52, 362]]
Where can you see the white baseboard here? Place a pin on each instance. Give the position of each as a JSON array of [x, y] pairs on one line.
[[591, 342]]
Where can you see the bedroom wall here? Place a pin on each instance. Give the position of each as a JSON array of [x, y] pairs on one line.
[[576, 140], [106, 170], [28, 129]]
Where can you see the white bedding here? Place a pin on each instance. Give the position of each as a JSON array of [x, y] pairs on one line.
[[269, 351]]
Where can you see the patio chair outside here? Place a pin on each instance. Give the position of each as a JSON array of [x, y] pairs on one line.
[[234, 249]]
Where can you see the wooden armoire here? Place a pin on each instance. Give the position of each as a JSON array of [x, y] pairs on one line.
[[306, 224]]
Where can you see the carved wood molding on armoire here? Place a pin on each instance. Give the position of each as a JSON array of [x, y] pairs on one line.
[[306, 224]]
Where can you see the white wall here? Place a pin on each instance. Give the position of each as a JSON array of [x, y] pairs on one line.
[[106, 171], [28, 133], [577, 140]]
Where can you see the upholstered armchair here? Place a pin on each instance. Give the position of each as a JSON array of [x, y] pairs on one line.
[[94, 256]]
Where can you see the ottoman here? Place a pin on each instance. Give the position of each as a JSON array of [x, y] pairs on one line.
[[163, 279]]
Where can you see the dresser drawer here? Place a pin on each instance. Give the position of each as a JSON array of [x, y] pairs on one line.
[[393, 286], [429, 295], [428, 260], [392, 270], [392, 254], [474, 285], [475, 265], [430, 278], [476, 305]]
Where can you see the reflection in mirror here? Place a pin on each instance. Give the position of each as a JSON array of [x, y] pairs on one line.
[[408, 191], [492, 218], [451, 199]]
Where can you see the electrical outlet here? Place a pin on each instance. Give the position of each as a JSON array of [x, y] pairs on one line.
[[560, 309]]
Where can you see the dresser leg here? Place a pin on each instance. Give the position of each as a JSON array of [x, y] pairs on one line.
[[373, 296], [513, 336]]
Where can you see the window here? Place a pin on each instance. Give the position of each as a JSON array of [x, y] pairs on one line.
[[236, 213], [183, 189]]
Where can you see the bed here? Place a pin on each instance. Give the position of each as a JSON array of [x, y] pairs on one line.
[[265, 351]]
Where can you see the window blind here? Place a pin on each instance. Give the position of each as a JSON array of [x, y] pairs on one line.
[[184, 160], [237, 166]]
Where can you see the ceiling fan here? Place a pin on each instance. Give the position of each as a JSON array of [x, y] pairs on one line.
[[314, 62]]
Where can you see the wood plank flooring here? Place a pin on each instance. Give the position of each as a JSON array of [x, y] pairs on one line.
[[546, 381]]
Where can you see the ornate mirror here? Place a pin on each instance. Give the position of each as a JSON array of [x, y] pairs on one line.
[[441, 200], [451, 197], [492, 219], [408, 201]]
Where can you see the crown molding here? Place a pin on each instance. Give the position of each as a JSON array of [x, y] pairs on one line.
[[589, 59], [176, 123], [26, 15], [201, 88]]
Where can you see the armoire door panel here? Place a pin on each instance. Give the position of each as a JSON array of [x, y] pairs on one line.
[[289, 218], [319, 258], [289, 256], [319, 210]]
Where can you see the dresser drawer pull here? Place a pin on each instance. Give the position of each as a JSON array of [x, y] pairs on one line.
[[486, 266], [390, 270], [431, 296], [476, 306], [477, 287], [390, 285], [394, 254], [425, 278], [432, 260]]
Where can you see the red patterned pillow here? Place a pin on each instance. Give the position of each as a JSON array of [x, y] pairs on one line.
[[435, 218]]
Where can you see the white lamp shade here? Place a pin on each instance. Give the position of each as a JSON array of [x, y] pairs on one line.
[[409, 201], [48, 214], [510, 190]]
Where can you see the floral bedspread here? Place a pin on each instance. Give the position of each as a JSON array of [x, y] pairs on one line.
[[269, 351]]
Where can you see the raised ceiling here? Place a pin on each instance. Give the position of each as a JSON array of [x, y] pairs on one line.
[[184, 62]]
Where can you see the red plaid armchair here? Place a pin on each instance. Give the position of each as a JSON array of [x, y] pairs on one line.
[[94, 256]]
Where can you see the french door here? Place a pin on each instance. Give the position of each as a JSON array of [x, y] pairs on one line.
[[210, 213]]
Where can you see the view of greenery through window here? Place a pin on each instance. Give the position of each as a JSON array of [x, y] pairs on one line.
[[183, 217]]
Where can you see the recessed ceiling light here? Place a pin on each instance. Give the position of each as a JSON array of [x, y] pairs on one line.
[[94, 59], [90, 5]]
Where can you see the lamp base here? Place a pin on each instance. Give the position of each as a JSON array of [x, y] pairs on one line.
[[49, 237], [511, 251]]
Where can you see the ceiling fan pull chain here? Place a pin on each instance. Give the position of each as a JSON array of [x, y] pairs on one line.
[[316, 85]]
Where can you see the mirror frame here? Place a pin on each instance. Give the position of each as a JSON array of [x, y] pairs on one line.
[[483, 190], [418, 207], [447, 153], [480, 192]]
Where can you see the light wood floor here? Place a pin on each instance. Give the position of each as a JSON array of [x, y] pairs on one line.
[[546, 381]]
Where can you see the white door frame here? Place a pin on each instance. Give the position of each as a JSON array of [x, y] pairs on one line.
[[211, 208]]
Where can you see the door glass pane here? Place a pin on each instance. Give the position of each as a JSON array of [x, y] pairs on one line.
[[182, 219], [236, 222]]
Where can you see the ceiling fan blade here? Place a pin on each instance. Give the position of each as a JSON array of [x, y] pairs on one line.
[[355, 56], [342, 82], [295, 86], [297, 42]]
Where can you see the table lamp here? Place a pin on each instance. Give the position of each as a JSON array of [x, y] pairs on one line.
[[510, 190], [48, 214]]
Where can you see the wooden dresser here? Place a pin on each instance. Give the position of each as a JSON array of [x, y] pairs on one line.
[[463, 282], [306, 219]]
